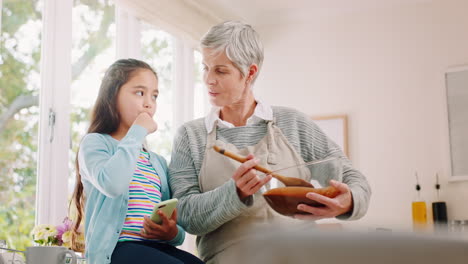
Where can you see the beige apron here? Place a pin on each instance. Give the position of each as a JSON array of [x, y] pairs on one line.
[[273, 151]]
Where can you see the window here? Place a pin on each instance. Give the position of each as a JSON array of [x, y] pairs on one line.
[[157, 49], [20, 53], [64, 71], [93, 51], [201, 103]]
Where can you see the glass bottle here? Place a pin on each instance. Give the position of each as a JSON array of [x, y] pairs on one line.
[[439, 211], [419, 209]]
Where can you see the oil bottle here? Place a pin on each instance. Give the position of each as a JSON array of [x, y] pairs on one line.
[[439, 211], [419, 209]]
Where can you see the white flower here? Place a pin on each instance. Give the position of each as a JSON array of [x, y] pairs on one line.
[[44, 234], [39, 232], [66, 237], [40, 235], [51, 235], [51, 231], [36, 230]]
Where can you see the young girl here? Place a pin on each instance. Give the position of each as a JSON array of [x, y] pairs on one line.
[[119, 181]]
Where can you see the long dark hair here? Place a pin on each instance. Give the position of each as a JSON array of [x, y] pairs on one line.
[[105, 119]]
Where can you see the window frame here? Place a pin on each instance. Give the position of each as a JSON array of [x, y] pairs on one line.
[[184, 81], [54, 137]]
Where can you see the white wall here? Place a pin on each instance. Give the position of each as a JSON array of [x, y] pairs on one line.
[[385, 70]]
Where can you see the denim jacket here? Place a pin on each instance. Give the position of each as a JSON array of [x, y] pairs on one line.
[[106, 166]]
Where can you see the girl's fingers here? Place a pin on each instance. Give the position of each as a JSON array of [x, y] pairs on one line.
[[165, 220], [174, 215], [150, 226], [166, 231], [146, 232], [143, 233]]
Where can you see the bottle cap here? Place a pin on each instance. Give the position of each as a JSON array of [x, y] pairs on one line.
[[418, 187]]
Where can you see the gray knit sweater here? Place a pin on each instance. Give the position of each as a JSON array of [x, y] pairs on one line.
[[200, 213]]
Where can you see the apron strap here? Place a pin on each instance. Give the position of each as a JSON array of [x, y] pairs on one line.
[[272, 148], [211, 138], [212, 135]]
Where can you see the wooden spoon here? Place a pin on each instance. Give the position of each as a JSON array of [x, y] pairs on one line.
[[288, 181]]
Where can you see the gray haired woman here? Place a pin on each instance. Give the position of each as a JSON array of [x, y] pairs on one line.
[[219, 198]]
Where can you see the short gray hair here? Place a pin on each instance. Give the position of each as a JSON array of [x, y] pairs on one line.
[[240, 42]]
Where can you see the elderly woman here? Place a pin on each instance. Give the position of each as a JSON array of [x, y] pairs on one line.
[[220, 198]]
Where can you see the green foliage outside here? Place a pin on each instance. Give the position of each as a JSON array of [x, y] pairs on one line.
[[20, 49], [18, 121]]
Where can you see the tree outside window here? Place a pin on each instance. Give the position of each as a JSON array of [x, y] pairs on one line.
[[20, 50]]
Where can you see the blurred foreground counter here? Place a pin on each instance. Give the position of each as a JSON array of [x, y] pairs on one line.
[[283, 245]]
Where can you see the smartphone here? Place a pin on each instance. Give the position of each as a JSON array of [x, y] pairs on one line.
[[167, 207]]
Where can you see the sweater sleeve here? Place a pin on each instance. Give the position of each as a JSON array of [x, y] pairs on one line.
[[199, 213], [109, 172], [318, 146]]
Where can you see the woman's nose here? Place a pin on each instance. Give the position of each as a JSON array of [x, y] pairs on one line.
[[209, 79]]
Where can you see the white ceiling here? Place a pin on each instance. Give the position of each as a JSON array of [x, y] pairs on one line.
[[265, 12]]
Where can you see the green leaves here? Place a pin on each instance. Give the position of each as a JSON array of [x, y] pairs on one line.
[[20, 82]]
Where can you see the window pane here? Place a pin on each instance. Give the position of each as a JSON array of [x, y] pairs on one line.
[[20, 43], [201, 105], [93, 51], [158, 50]]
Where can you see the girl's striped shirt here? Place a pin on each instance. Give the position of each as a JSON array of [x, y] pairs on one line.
[[144, 193]]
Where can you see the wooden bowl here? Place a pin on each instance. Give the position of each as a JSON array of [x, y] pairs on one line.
[[284, 200]]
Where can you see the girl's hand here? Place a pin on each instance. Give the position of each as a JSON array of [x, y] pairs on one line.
[[145, 120], [341, 204], [165, 231], [247, 181]]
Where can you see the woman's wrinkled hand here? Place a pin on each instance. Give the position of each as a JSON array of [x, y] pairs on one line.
[[339, 205], [246, 179]]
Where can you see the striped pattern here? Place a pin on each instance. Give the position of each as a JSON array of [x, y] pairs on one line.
[[144, 193], [201, 214]]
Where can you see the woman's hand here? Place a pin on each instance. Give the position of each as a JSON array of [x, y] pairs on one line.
[[341, 204], [165, 231], [145, 120], [247, 181]]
